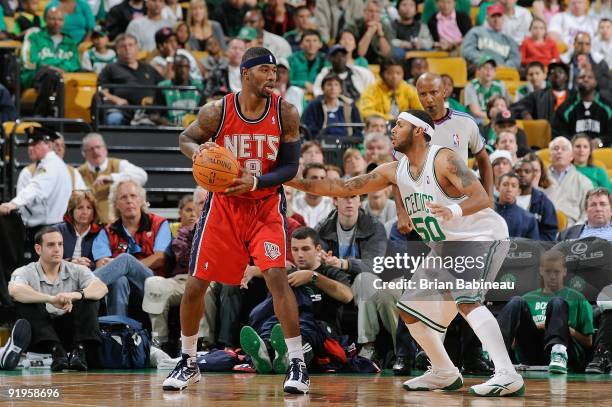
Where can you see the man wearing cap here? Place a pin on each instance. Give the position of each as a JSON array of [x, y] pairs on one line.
[[491, 41], [541, 104], [167, 46], [46, 54], [479, 90], [144, 28], [43, 200], [100, 55], [305, 64], [354, 78]]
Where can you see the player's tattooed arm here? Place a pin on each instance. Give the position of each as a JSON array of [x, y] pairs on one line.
[[290, 120], [450, 166], [380, 178], [202, 129]]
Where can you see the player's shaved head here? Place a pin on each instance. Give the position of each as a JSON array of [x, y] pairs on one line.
[[431, 91]]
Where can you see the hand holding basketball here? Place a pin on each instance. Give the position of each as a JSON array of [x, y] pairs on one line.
[[203, 147], [215, 168], [243, 184]]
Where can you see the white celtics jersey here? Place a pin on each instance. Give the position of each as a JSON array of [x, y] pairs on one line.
[[485, 225]]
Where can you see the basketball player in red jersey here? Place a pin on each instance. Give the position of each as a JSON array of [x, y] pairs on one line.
[[247, 221]]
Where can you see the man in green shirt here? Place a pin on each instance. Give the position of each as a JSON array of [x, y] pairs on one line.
[[552, 324], [307, 63], [46, 54]]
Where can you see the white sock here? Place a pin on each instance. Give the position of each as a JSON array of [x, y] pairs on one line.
[[432, 344], [294, 348], [486, 328], [189, 345]]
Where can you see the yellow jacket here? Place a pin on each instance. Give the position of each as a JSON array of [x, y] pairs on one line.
[[376, 99]]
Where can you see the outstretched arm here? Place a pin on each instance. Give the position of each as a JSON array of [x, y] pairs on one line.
[[450, 168], [380, 178]]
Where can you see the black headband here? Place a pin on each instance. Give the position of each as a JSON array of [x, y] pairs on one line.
[[261, 60]]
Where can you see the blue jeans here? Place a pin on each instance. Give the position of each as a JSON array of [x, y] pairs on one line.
[[122, 275], [115, 118]]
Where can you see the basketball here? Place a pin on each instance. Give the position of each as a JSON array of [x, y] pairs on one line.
[[215, 169]]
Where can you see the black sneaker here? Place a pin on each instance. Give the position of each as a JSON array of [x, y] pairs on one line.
[[60, 359], [478, 366], [421, 361], [297, 380], [601, 363], [78, 359], [185, 373], [401, 367], [17, 343]]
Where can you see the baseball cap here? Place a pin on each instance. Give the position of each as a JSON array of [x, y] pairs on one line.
[[247, 33], [336, 48], [163, 34], [496, 155], [98, 32], [505, 117], [559, 64], [282, 62], [156, 295], [495, 8], [37, 134], [485, 59]]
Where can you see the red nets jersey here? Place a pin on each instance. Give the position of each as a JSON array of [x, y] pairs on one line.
[[254, 143]]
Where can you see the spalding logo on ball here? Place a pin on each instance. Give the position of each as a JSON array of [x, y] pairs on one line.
[[215, 169]]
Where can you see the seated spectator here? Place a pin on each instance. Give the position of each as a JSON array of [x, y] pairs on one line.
[[302, 20], [132, 248], [278, 17], [532, 199], [516, 20], [540, 173], [390, 94], [551, 325], [505, 121], [583, 160], [172, 11], [564, 26], [495, 105], [541, 104], [536, 80], [79, 20], [144, 29], [306, 64], [310, 152], [275, 43], [373, 33], [216, 59], [79, 229], [292, 94], [449, 101], [375, 123], [501, 162], [506, 140], [347, 40], [223, 80], [60, 301], [581, 58], [120, 16], [353, 239], [568, 194], [332, 108], [415, 68], [99, 55], [28, 18], [320, 306], [185, 101], [45, 62], [201, 28], [183, 35], [598, 201], [230, 14], [431, 7], [602, 42], [448, 26], [411, 33], [538, 47], [332, 15], [587, 111], [126, 71], [377, 147], [167, 48], [354, 78], [479, 90], [313, 208], [187, 214], [353, 163], [100, 171], [490, 42], [521, 223], [378, 205]]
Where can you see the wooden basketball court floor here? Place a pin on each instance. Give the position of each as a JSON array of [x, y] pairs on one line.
[[143, 388]]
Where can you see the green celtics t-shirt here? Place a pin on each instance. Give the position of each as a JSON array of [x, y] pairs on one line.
[[186, 99], [580, 311]]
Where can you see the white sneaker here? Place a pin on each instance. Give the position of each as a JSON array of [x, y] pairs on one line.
[[448, 379], [185, 373], [502, 383]]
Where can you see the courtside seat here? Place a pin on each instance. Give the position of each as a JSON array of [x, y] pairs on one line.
[[561, 220], [538, 132], [455, 67], [507, 73], [604, 156]]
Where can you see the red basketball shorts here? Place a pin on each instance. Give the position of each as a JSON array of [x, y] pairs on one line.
[[232, 232]]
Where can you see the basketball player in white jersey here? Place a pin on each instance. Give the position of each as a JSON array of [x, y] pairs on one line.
[[446, 203]]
